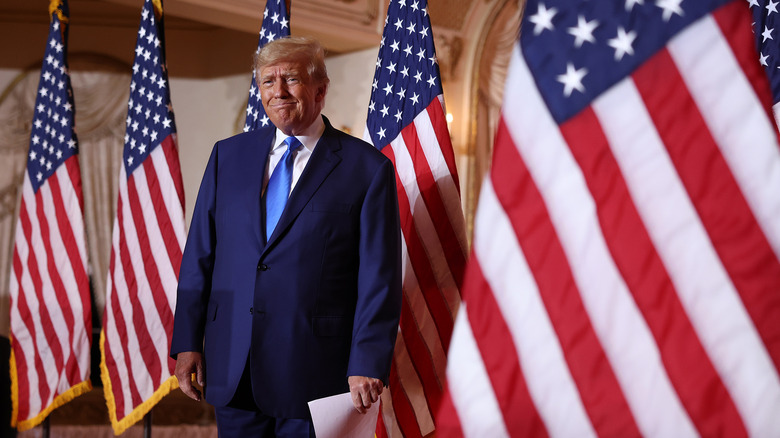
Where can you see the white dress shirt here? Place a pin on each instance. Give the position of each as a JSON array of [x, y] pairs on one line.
[[301, 156]]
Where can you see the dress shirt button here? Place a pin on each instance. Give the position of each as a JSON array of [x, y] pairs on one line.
[[262, 267]]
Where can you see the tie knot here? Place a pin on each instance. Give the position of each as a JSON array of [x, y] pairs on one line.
[[292, 143]]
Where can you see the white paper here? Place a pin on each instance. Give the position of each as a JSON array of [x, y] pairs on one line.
[[336, 417]]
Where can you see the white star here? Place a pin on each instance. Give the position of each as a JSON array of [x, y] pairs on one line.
[[408, 49], [167, 123], [421, 54], [763, 59], [149, 39], [156, 118], [41, 107], [374, 85], [135, 126], [132, 143], [142, 149], [71, 143], [415, 6], [410, 28], [584, 31], [381, 133], [394, 46], [431, 81], [33, 155], [378, 62], [284, 23], [391, 67], [424, 32], [67, 106], [371, 107], [399, 24], [147, 54], [630, 4], [36, 139], [418, 77], [153, 136], [670, 7], [401, 3], [129, 161], [622, 43], [401, 94], [767, 34], [38, 176], [59, 154], [384, 110], [275, 17], [398, 116], [264, 120], [771, 7], [145, 131], [752, 3], [388, 89], [405, 71], [542, 19], [572, 79], [414, 98]]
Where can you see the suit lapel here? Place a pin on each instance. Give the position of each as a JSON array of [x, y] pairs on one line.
[[257, 155], [321, 163]]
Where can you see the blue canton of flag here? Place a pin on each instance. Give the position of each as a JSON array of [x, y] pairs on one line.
[[149, 111], [564, 44], [276, 24], [52, 140], [764, 25], [406, 78]]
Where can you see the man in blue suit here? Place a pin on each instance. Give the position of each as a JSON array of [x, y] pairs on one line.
[[290, 283]]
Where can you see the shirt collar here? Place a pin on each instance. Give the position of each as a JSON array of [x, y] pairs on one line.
[[309, 138]]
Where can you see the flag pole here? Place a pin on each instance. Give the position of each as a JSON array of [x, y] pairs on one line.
[[45, 428], [148, 424]]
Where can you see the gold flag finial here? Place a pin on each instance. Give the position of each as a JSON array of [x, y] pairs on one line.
[[56, 6]]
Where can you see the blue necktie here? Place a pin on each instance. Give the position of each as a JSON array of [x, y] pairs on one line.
[[279, 187]]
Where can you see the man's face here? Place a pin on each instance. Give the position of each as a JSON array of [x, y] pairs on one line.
[[290, 98]]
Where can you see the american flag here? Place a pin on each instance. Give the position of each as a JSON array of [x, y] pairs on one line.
[[765, 28], [406, 121], [147, 240], [276, 24], [625, 276], [51, 315]]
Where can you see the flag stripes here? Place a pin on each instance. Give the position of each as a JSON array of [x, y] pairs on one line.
[[145, 257], [50, 324], [648, 210]]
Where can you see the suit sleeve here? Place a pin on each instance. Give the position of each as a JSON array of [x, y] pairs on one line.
[[196, 267], [379, 279]]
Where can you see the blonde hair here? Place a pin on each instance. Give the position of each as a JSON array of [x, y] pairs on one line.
[[302, 49]]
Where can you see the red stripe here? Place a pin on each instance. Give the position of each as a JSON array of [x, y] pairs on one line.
[[439, 122], [734, 20], [421, 264], [686, 362], [404, 413], [63, 224], [421, 358], [82, 279], [500, 356], [735, 234], [381, 431], [448, 423], [22, 372], [429, 191], [152, 275], [598, 387], [172, 157], [139, 324]]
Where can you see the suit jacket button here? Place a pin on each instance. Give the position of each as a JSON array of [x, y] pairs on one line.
[[251, 310], [262, 267]]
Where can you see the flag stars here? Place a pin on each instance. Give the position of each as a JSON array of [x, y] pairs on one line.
[[410, 28], [583, 31], [415, 98], [418, 77], [771, 7], [622, 43], [394, 46], [572, 79], [388, 89], [72, 144], [398, 116], [630, 4], [385, 110], [431, 81], [762, 59], [399, 24], [670, 7], [401, 93], [767, 34], [391, 68], [542, 19], [167, 123], [424, 32], [405, 71], [408, 49], [381, 133], [421, 54]]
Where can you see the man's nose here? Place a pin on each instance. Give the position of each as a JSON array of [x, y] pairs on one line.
[[280, 89]]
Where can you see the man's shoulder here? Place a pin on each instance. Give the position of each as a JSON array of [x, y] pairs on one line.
[[245, 139], [356, 147]]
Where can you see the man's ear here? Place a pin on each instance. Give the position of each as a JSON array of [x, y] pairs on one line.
[[322, 90]]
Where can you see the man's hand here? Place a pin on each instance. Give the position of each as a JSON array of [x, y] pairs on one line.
[[189, 362], [364, 390]]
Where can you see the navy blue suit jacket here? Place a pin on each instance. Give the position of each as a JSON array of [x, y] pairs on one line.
[[319, 301]]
